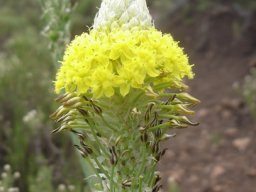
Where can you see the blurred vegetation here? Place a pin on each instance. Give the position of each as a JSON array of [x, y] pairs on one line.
[[8, 178], [249, 4], [26, 94], [249, 91]]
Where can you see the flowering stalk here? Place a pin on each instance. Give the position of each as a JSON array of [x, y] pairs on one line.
[[57, 16], [123, 92]]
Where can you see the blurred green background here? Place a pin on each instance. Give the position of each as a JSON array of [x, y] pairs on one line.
[[32, 39]]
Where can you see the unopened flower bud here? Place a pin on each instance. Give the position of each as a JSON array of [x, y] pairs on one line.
[[62, 187], [16, 175], [7, 167], [13, 189], [4, 175], [71, 187]]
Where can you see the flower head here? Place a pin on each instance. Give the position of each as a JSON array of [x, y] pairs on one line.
[[123, 51]]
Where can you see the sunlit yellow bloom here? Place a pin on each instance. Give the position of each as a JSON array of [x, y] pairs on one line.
[[102, 61]]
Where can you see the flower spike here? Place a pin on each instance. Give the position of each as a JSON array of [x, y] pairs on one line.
[[123, 90]]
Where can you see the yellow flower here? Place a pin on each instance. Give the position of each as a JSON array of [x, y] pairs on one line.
[[102, 61]]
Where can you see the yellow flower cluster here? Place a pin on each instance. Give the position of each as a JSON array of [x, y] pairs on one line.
[[102, 62]]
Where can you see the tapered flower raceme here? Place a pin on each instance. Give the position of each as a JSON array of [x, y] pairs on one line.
[[123, 84]]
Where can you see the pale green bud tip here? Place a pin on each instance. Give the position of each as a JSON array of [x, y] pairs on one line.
[[123, 13]]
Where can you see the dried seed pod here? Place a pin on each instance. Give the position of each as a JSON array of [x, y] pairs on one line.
[[148, 112], [117, 140], [154, 122], [167, 136], [72, 101], [180, 108], [80, 135], [155, 147], [113, 159], [87, 149], [59, 129], [60, 97], [62, 119], [84, 153], [96, 108], [65, 97], [157, 188], [170, 99], [158, 133], [185, 120], [83, 112], [188, 98], [59, 112], [127, 183], [124, 153], [157, 179], [161, 154], [85, 98], [144, 137], [55, 131]]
